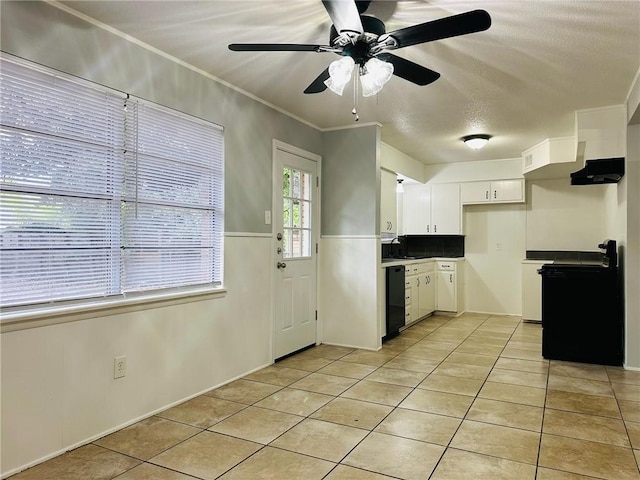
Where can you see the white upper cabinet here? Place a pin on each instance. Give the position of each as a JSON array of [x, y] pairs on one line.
[[475, 192], [497, 191], [432, 209], [416, 203], [388, 204], [506, 191], [446, 211]]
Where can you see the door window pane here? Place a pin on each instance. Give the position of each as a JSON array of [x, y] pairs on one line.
[[296, 213]]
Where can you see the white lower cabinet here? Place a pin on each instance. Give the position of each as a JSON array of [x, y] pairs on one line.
[[407, 295], [427, 287], [420, 291], [447, 292]]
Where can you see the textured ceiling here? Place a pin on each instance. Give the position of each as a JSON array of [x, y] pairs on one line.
[[520, 81]]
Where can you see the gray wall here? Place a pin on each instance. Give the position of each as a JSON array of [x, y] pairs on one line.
[[44, 34], [632, 250], [350, 182]]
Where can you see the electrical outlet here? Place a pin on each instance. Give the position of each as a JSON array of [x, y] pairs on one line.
[[119, 366], [499, 247]]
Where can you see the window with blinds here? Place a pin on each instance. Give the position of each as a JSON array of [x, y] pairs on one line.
[[102, 194]]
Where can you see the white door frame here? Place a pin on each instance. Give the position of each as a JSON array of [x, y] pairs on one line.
[[276, 201]]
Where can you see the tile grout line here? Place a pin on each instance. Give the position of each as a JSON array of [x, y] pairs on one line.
[[544, 413], [475, 398]]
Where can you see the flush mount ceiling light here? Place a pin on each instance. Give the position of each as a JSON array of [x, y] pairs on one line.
[[477, 141]]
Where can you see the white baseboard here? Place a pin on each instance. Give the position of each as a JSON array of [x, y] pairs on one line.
[[124, 425]]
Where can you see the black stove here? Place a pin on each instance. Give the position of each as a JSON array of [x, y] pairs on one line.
[[581, 310]]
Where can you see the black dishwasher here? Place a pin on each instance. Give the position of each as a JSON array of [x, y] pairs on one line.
[[395, 300]]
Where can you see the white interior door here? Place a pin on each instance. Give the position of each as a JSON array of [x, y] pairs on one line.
[[295, 220]]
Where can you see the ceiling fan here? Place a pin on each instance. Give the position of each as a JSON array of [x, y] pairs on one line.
[[363, 41]]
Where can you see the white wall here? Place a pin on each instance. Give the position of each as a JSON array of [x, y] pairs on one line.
[[631, 251], [57, 381], [561, 216], [474, 171], [350, 289], [493, 282], [396, 161], [632, 247]]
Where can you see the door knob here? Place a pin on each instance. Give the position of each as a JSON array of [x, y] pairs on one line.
[[281, 265], [279, 236]]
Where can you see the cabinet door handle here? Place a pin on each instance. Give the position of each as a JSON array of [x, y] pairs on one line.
[[495, 194], [427, 228], [418, 284], [450, 278], [486, 195], [435, 229]]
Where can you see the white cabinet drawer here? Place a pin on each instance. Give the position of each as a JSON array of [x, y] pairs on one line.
[[449, 266], [425, 267]]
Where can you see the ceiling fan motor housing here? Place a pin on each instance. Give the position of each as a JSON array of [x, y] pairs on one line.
[[360, 51]]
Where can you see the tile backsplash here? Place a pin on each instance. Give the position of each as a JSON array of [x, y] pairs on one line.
[[425, 246]]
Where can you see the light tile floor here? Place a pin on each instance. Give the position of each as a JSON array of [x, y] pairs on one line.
[[448, 399]]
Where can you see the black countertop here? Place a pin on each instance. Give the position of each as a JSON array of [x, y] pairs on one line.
[[564, 256]]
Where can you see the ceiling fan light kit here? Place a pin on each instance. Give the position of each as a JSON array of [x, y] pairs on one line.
[[339, 74], [376, 74], [364, 41], [476, 141]]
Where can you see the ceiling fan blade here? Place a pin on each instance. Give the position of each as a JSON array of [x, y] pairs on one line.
[[275, 47], [318, 85], [409, 70], [362, 5], [462, 24], [344, 15]]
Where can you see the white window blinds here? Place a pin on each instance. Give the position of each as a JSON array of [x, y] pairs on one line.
[[172, 203], [96, 200]]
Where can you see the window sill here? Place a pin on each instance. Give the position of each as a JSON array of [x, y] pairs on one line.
[[42, 316]]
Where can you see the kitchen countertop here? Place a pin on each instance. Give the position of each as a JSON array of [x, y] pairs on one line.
[[392, 262]]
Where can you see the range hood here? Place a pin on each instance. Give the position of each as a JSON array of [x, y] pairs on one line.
[[600, 145], [596, 172]]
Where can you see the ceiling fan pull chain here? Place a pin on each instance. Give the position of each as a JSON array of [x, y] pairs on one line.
[[355, 94]]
